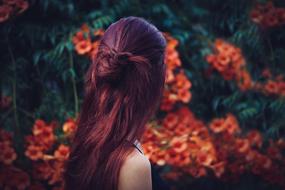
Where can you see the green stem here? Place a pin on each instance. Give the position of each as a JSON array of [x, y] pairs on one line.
[[272, 57], [28, 114], [14, 87], [73, 81], [5, 116]]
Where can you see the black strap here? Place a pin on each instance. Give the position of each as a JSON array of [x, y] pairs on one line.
[[137, 148]]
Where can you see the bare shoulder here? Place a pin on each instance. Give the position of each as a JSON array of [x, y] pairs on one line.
[[135, 173]]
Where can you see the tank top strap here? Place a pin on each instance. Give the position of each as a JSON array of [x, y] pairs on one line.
[[137, 145]]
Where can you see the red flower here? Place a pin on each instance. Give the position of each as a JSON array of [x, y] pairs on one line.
[[22, 5], [256, 16], [255, 138], [5, 11], [219, 168], [69, 126], [217, 125], [178, 144], [242, 145], [83, 47], [34, 152], [62, 152], [8, 155], [170, 120], [204, 158]]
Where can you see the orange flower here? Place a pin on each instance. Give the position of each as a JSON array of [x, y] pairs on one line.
[[242, 145], [173, 43], [178, 144], [256, 16], [85, 28], [270, 20], [274, 153], [8, 155], [47, 135], [264, 162], [56, 175], [236, 56], [230, 63], [204, 158], [217, 125], [221, 68], [5, 11], [211, 58], [170, 120], [5, 136], [231, 124], [280, 12], [223, 60], [219, 43], [167, 104], [236, 168], [22, 5], [171, 175], [219, 168], [169, 76], [271, 87], [39, 126], [10, 2], [62, 152], [181, 129], [150, 149], [79, 36], [255, 138], [69, 126], [43, 170], [184, 159], [148, 135], [17, 179], [184, 95], [244, 80], [280, 143], [159, 157], [267, 15], [5, 102], [83, 47], [251, 155], [266, 73], [34, 152], [99, 32], [182, 82], [208, 147], [178, 160], [197, 171]]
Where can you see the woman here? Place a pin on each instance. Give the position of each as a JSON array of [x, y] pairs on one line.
[[124, 85]]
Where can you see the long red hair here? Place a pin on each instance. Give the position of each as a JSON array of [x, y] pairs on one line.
[[123, 89]]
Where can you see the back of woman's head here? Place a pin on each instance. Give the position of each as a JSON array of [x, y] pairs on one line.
[[123, 88]]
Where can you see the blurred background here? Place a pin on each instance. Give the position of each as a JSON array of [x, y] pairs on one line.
[[221, 122]]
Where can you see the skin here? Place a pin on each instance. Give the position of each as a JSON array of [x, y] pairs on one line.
[[135, 173]]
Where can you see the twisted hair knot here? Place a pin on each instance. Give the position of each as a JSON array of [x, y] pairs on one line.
[[118, 56]]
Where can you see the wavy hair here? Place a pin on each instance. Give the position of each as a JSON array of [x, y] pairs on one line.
[[123, 89]]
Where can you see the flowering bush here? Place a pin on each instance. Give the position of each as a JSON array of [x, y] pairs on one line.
[[267, 15], [230, 63], [178, 140], [10, 8]]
